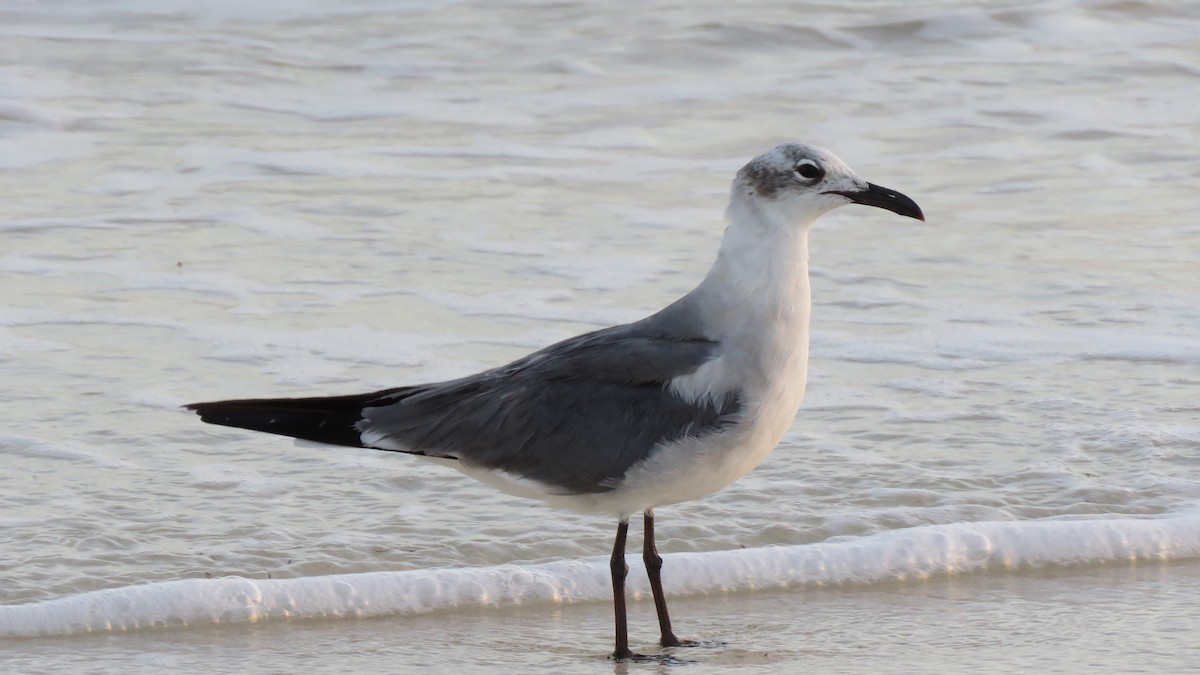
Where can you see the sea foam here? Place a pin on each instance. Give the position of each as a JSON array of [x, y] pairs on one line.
[[920, 553]]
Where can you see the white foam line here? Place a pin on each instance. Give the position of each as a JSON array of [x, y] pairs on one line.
[[916, 553]]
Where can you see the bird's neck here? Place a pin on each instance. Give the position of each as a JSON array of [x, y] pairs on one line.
[[755, 301], [759, 281]]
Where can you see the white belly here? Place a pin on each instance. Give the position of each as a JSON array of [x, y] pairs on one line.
[[680, 471]]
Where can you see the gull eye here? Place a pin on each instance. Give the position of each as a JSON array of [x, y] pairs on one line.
[[808, 169]]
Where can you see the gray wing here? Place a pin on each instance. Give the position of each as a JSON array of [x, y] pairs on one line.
[[576, 415]]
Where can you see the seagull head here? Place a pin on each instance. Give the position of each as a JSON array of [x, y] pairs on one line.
[[805, 181]]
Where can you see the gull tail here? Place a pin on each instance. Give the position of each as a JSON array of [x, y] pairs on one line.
[[324, 419]]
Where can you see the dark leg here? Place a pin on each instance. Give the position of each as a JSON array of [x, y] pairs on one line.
[[654, 570], [619, 570]]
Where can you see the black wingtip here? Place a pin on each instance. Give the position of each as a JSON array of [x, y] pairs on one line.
[[327, 420]]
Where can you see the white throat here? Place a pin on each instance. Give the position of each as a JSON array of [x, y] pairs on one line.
[[756, 301], [760, 277]]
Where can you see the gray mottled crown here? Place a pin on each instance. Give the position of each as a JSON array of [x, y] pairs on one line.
[[774, 171]]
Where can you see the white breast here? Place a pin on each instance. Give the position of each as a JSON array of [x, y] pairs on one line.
[[756, 302]]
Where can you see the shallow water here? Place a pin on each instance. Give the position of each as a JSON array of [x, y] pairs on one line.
[[220, 201]]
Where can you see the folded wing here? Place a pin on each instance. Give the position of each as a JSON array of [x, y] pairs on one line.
[[575, 416]]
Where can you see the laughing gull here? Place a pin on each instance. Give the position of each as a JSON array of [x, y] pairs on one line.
[[622, 420]]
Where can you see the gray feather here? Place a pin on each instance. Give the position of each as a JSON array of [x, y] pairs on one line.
[[576, 415]]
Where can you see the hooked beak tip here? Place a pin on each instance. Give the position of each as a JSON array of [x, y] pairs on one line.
[[884, 198]]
